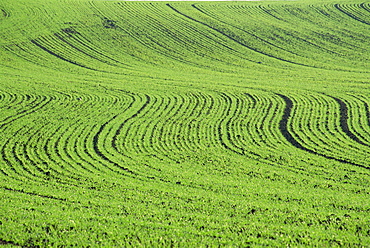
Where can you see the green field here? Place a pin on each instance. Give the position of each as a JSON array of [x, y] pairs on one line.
[[184, 124]]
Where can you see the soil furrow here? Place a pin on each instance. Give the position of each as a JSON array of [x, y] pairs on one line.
[[344, 122], [338, 7], [60, 57], [283, 126]]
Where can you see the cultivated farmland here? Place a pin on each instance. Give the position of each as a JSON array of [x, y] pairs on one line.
[[184, 124]]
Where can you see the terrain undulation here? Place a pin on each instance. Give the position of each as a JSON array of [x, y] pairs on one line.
[[184, 124]]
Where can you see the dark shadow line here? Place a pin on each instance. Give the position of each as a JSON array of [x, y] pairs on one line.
[[283, 126], [5, 14], [125, 121], [344, 122], [34, 194], [60, 57], [350, 15], [235, 40], [86, 53], [367, 8], [100, 154], [22, 113]]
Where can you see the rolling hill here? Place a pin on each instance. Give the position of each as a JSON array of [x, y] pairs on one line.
[[184, 124]]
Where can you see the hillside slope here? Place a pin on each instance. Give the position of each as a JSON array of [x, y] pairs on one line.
[[184, 123]]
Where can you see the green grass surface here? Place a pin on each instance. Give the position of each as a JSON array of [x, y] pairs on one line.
[[184, 124]]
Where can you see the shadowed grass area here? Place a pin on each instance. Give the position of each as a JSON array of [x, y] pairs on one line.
[[184, 124]]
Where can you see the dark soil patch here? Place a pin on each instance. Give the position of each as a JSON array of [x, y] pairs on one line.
[[107, 23], [4, 242]]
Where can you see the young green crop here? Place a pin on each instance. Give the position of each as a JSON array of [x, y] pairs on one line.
[[184, 124]]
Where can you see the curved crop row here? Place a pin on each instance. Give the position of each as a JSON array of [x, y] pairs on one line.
[[184, 123], [158, 126], [254, 125], [325, 132]]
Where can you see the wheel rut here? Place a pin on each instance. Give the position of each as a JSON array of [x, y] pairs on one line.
[[344, 122], [284, 129]]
